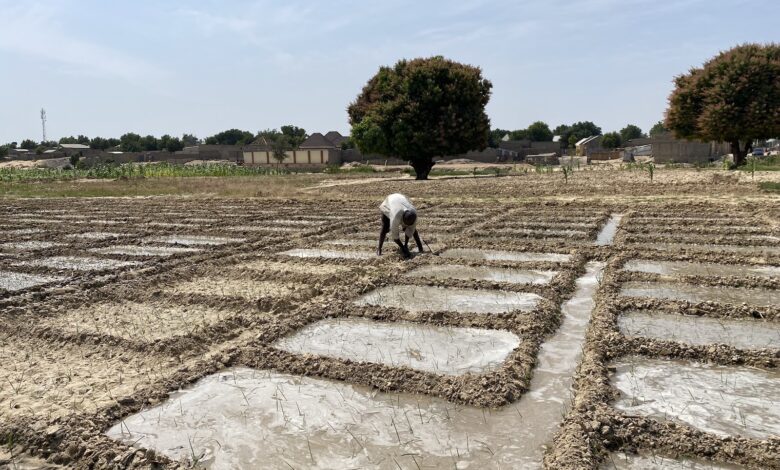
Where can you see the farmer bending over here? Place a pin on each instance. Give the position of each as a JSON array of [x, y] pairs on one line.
[[397, 213]]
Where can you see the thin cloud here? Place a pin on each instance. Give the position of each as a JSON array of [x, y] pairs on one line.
[[35, 32]]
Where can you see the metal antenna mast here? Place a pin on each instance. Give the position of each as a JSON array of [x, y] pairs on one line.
[[43, 123]]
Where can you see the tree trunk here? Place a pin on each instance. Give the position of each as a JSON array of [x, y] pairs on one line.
[[740, 154], [422, 167]]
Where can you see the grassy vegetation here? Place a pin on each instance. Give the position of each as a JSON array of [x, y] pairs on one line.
[[239, 186], [492, 171], [764, 164], [130, 171]]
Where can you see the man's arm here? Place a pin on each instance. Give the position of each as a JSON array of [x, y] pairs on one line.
[[403, 248]]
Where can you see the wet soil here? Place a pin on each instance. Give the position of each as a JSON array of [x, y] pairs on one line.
[[74, 384]]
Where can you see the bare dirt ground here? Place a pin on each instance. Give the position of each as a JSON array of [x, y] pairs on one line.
[[83, 349]]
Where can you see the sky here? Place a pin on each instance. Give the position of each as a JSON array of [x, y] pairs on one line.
[[103, 68]]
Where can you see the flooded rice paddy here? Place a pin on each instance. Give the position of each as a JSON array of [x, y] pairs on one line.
[[436, 349], [439, 299], [694, 293], [724, 400], [482, 273], [746, 334]]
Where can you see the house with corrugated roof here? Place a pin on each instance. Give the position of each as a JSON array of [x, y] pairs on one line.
[[588, 145]]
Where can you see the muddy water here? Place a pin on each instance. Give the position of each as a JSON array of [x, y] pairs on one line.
[[452, 271], [725, 400], [621, 461], [97, 235], [692, 293], [541, 233], [79, 263], [171, 225], [684, 268], [248, 419], [136, 250], [13, 281], [438, 299], [441, 350], [23, 231], [197, 240], [607, 233], [263, 228], [333, 254], [746, 334], [355, 242], [747, 250], [491, 255]]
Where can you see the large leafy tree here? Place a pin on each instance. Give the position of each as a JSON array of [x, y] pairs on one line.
[[422, 108], [629, 132], [734, 98]]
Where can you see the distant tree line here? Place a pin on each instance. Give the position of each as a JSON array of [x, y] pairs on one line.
[[540, 131], [289, 136]]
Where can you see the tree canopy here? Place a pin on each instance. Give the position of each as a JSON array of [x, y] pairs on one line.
[[576, 131], [734, 97], [658, 128], [422, 108], [295, 135], [539, 132], [629, 132], [28, 144], [231, 137], [611, 140]]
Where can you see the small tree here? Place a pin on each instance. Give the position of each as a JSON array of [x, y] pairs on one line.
[[496, 135], [279, 144], [611, 140], [295, 135], [658, 128], [734, 98], [189, 140], [28, 144], [130, 142], [174, 144], [99, 143], [420, 109]]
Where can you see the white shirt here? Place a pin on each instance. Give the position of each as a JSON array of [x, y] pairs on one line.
[[393, 208]]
